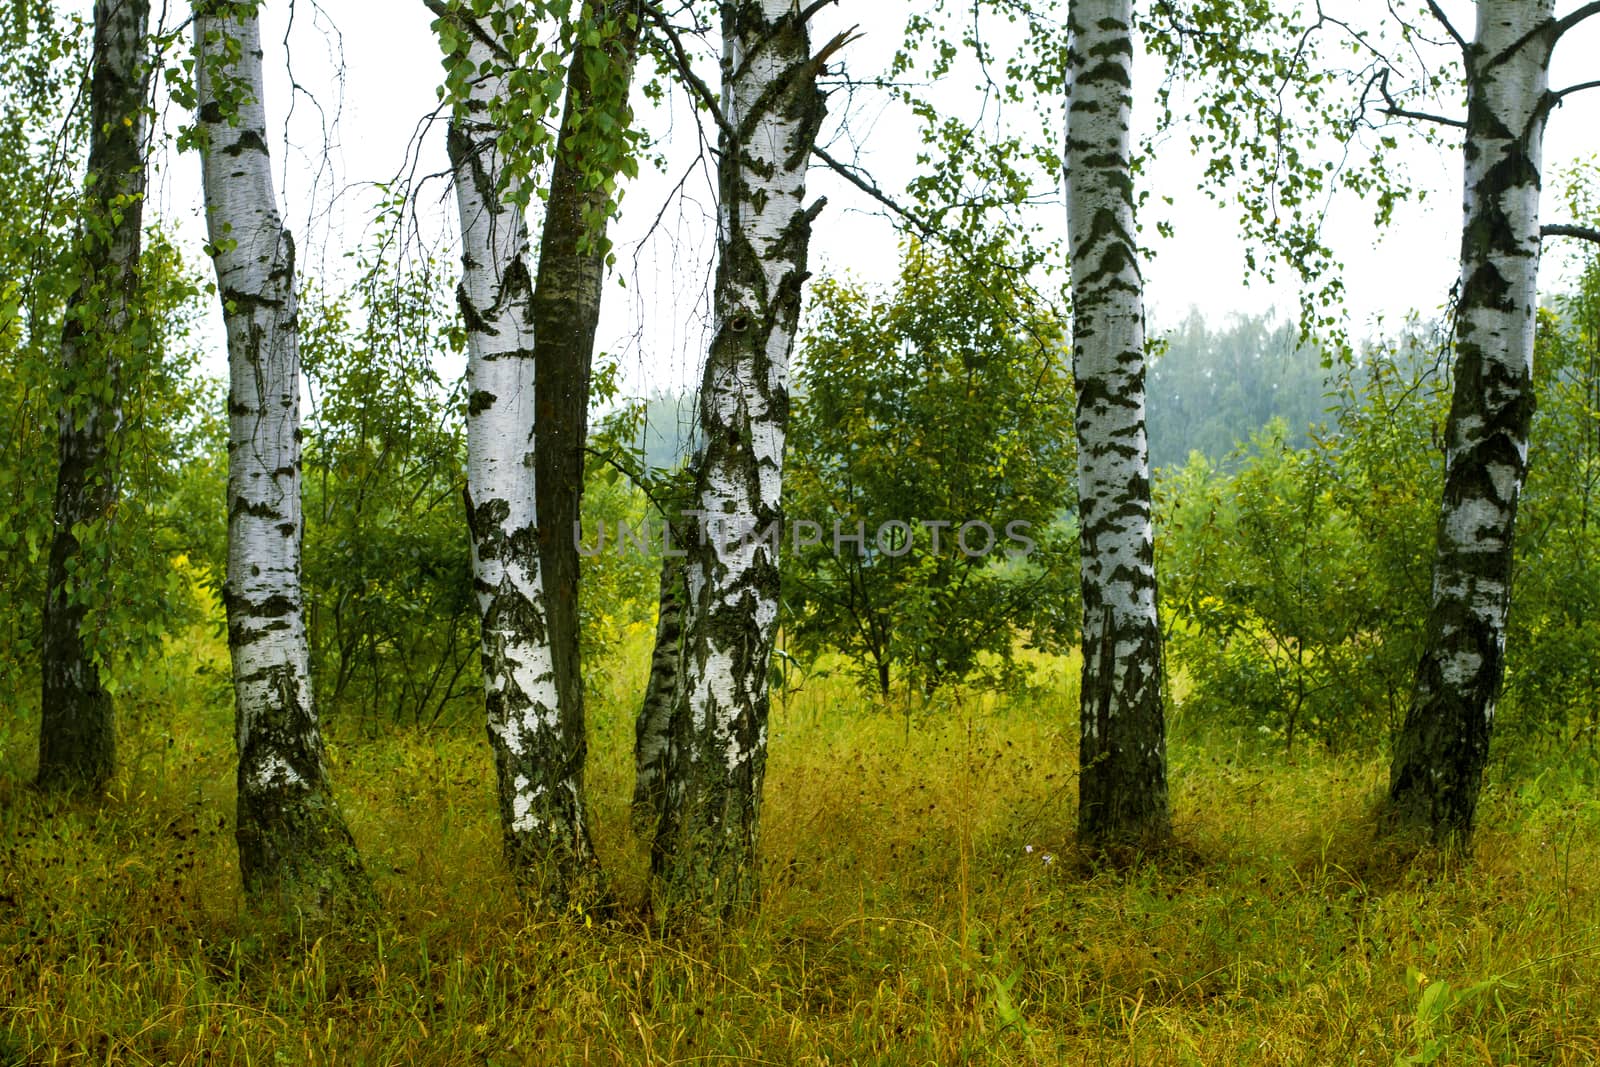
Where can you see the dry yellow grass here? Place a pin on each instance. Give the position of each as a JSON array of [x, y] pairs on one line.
[[923, 906]]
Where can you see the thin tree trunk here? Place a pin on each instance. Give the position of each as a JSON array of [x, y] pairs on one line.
[[77, 730], [295, 853], [771, 107], [1444, 742], [1122, 785], [566, 313], [653, 736], [533, 685]]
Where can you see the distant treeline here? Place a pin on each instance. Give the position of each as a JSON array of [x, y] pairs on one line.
[[1215, 385], [1210, 387]]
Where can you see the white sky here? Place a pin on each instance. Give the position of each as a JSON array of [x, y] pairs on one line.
[[391, 68]]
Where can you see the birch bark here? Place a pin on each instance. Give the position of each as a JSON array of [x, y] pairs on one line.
[[77, 730], [533, 686], [294, 850], [771, 109], [652, 736], [1444, 742], [1122, 786]]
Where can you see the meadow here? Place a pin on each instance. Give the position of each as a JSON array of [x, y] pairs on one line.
[[923, 904]]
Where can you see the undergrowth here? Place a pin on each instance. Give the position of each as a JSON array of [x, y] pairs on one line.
[[923, 904]]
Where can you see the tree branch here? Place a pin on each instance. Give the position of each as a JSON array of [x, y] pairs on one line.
[[680, 58], [855, 178], [1582, 233], [1444, 20], [1572, 18], [1392, 107], [1425, 116], [1569, 90], [817, 5]]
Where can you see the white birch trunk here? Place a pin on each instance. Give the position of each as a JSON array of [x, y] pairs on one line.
[[772, 109], [294, 849], [1122, 785], [1444, 743], [538, 754]]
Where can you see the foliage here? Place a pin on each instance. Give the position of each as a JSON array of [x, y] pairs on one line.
[[1288, 104], [1553, 637], [946, 401], [1293, 585], [532, 42], [125, 574], [978, 173], [40, 65], [388, 579]]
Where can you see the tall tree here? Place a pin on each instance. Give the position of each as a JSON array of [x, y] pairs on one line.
[[294, 850], [566, 313], [1444, 743], [77, 735], [530, 343], [769, 111], [1122, 784], [652, 732]]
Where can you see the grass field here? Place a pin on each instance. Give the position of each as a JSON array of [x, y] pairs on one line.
[[923, 905]]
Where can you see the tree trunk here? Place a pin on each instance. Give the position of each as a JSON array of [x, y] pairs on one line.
[[1444, 742], [77, 729], [566, 313], [295, 853], [771, 107], [516, 332], [653, 734], [1122, 786]]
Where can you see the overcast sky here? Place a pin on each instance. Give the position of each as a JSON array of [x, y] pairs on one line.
[[372, 67]]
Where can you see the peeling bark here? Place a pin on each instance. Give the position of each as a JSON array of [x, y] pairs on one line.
[[295, 854], [705, 848], [530, 346], [652, 740], [77, 729], [1122, 785], [1443, 745]]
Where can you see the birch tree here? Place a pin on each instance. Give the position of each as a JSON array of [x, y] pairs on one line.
[[77, 735], [1259, 61], [294, 850], [530, 344], [1443, 745], [768, 112], [652, 735], [1122, 785]]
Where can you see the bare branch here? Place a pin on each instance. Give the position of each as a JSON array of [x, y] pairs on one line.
[[685, 66], [1444, 20], [1393, 108], [816, 5], [1582, 233], [1548, 32], [1572, 18], [860, 181], [1569, 90], [1425, 116]]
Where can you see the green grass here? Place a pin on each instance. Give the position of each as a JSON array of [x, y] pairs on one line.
[[924, 905]]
